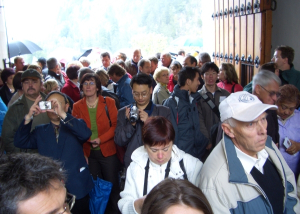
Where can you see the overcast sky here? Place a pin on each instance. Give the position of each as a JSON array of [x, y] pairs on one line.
[[25, 18]]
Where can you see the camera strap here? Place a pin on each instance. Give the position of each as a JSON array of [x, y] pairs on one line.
[[106, 110]]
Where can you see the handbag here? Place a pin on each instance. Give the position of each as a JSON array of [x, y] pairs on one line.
[[99, 196]]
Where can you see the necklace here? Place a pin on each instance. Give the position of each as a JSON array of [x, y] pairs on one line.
[[92, 105]]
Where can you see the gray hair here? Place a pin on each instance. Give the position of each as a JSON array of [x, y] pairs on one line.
[[230, 121], [51, 63], [204, 57], [264, 78], [84, 59], [166, 54]]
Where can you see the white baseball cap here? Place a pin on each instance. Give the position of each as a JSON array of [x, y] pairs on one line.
[[242, 106]]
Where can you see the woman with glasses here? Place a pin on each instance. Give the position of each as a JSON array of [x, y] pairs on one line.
[[100, 115], [228, 78], [289, 127], [160, 92], [156, 160]]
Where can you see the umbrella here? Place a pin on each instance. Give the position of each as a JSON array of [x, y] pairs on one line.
[[88, 51], [22, 47]]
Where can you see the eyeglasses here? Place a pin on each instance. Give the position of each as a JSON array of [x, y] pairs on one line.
[[272, 93], [89, 83], [69, 202], [143, 94]]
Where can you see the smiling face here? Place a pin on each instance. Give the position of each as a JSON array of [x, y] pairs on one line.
[[249, 137], [193, 85], [159, 154]]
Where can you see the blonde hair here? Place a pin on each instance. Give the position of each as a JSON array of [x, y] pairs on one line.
[[103, 76], [77, 63], [158, 72], [49, 85]]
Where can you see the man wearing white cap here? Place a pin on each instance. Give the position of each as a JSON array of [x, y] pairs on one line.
[[245, 173]]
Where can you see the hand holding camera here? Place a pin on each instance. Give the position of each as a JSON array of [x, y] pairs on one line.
[[57, 108], [34, 110], [134, 114]]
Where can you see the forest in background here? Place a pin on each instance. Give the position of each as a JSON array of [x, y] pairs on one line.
[[151, 25]]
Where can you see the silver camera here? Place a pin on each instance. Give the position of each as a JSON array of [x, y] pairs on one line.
[[134, 114], [45, 105]]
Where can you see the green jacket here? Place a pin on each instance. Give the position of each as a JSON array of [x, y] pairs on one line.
[[13, 118], [291, 76]]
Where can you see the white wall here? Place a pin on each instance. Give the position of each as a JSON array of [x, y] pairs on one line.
[[286, 27]]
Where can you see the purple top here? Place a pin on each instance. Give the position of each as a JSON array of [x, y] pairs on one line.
[[290, 129]]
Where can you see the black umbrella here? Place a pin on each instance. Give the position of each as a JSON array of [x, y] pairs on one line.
[[86, 53], [17, 48]]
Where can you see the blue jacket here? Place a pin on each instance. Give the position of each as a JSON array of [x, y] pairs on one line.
[[68, 150], [124, 91], [185, 120], [229, 189]]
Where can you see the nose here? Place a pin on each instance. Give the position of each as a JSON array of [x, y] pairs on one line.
[[273, 59], [160, 155], [262, 127]]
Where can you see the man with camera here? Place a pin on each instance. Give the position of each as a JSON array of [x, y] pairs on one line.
[[62, 140], [131, 118], [31, 85]]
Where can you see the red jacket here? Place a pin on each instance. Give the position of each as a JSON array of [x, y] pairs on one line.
[[106, 132], [171, 85], [71, 90]]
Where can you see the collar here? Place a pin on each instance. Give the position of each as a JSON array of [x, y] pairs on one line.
[[284, 121], [236, 170], [77, 84], [249, 162], [123, 79]]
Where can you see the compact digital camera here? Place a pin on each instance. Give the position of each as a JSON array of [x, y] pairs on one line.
[[134, 114], [45, 105]]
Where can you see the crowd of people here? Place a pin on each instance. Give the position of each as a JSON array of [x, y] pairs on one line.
[[172, 135]]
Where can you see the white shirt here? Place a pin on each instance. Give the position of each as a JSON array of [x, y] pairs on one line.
[[249, 162]]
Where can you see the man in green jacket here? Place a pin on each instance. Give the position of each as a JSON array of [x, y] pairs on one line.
[[31, 85], [283, 57]]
